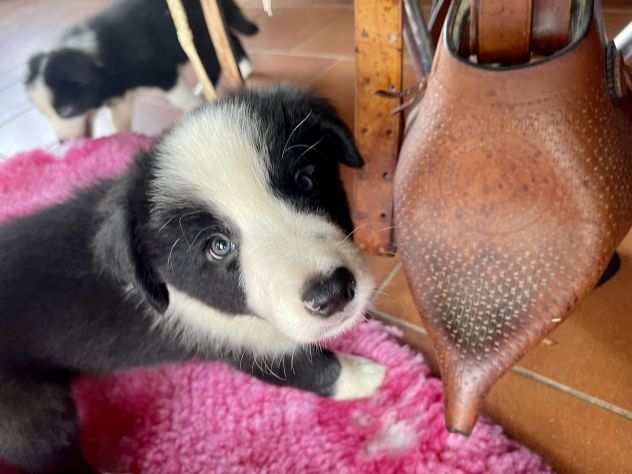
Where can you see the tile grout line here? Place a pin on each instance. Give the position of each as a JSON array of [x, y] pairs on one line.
[[15, 116], [322, 73], [607, 406], [401, 322], [10, 84], [526, 373], [295, 54], [317, 6], [296, 48], [311, 55]]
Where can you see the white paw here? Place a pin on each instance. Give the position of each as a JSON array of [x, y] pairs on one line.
[[245, 67], [359, 377]]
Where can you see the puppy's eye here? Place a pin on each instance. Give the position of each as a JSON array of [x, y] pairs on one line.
[[219, 247], [304, 179]]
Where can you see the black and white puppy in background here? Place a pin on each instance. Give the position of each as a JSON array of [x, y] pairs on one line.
[[106, 59], [227, 240]]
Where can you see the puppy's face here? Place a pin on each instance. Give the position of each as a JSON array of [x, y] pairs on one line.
[[249, 220], [65, 86]]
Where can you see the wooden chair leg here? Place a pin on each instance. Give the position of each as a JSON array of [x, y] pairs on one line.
[[221, 41], [185, 36], [378, 39]]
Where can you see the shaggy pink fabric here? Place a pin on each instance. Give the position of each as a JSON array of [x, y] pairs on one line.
[[35, 179], [206, 418]]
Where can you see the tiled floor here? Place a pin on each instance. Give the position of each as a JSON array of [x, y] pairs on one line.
[[570, 398]]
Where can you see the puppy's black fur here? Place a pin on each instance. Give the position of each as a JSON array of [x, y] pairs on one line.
[[84, 284], [137, 46]]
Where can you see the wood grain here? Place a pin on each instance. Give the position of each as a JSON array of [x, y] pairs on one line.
[[378, 38]]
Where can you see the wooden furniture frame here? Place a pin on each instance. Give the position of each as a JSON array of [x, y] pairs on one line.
[[217, 29]]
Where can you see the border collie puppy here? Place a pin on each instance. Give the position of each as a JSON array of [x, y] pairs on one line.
[[228, 240], [133, 44]]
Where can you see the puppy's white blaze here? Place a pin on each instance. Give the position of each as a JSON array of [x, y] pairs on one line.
[[359, 377], [218, 158], [42, 97], [231, 332], [212, 158]]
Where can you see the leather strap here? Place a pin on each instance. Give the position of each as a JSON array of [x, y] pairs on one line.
[[551, 26], [503, 30], [511, 31]]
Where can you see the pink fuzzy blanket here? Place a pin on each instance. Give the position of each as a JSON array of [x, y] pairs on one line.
[[206, 418]]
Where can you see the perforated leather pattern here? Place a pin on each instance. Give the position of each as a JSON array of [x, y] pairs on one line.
[[512, 193]]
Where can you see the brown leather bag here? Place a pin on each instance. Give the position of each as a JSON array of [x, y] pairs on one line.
[[513, 187]]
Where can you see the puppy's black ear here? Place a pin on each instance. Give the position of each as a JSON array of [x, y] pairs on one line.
[[34, 66], [147, 277], [340, 136], [350, 155], [121, 245]]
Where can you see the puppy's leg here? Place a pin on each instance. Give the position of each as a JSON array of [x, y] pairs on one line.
[[326, 373], [182, 96], [245, 66], [122, 109], [359, 377], [38, 427], [67, 129]]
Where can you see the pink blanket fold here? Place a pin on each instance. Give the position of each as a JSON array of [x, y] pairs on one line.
[[207, 418]]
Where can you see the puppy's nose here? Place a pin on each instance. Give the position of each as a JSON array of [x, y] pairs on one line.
[[327, 295]]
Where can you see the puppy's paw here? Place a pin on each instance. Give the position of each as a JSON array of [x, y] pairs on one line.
[[245, 67], [359, 377]]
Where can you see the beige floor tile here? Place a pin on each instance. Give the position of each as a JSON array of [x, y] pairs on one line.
[[573, 436], [335, 39], [14, 101], [592, 350], [288, 27], [297, 70], [28, 130]]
